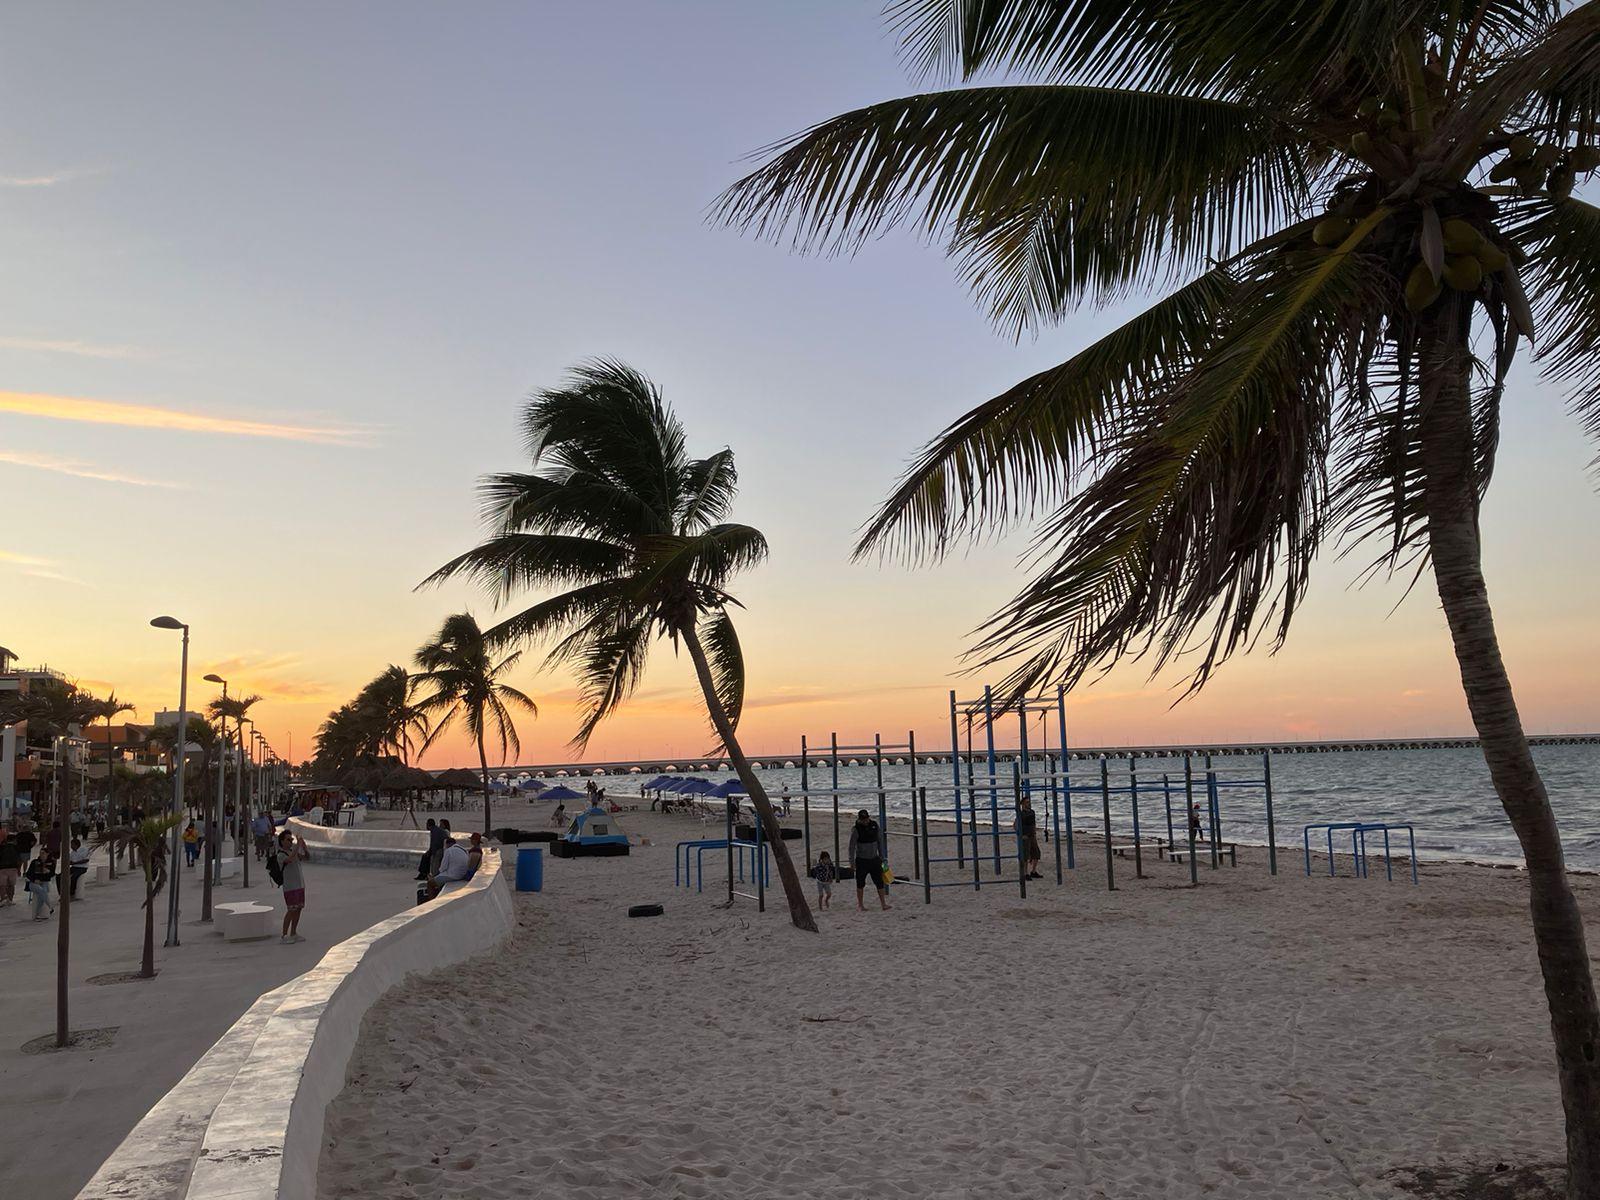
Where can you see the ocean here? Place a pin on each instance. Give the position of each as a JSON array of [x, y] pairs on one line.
[[1445, 794]]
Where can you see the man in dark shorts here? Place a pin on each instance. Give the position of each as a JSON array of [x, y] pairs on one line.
[[1028, 835], [867, 852]]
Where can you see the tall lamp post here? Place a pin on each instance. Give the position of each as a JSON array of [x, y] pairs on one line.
[[214, 822], [174, 871]]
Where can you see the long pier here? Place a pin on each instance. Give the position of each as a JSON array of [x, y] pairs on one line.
[[772, 762]]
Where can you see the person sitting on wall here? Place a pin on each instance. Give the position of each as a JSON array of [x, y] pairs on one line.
[[454, 866], [475, 855]]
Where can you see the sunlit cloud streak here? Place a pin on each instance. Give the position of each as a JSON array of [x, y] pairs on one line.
[[80, 470], [73, 347], [147, 416], [49, 179]]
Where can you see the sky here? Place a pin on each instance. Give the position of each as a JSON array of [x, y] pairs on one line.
[[279, 276]]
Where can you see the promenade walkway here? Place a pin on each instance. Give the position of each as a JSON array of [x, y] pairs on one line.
[[63, 1113]]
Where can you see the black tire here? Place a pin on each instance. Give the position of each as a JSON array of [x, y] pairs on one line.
[[646, 910]]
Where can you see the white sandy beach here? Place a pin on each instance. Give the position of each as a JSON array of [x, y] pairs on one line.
[[1289, 1037]]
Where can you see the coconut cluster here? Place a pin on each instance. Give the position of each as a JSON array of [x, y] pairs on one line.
[[1553, 169]]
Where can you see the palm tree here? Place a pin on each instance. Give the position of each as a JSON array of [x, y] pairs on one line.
[[146, 838], [236, 709], [1355, 196], [459, 666], [345, 736], [616, 513], [105, 710], [394, 720]]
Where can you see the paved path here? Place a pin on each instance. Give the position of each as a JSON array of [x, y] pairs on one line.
[[62, 1114]]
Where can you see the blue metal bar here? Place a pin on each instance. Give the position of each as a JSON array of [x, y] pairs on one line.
[[1105, 797], [1138, 852], [805, 797], [994, 796], [1066, 758]]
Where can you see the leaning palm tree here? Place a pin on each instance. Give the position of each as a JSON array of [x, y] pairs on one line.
[[617, 514], [1358, 199], [460, 678]]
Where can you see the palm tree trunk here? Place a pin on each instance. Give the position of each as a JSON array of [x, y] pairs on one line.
[[799, 908], [1451, 496], [147, 963], [483, 762]]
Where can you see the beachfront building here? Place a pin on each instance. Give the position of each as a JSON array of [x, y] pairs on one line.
[[19, 763]]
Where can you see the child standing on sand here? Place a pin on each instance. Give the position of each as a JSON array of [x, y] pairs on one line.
[[824, 873]]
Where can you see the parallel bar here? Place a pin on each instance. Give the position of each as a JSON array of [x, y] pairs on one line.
[[1133, 789], [1188, 819], [1105, 796], [1272, 829]]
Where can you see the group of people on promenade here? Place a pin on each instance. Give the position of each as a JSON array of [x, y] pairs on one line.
[[36, 864], [446, 860]]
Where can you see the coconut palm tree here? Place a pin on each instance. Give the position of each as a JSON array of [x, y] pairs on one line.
[[1356, 199], [617, 514], [345, 736], [460, 678], [386, 705]]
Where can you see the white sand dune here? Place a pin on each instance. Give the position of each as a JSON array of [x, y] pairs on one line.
[[1286, 1037]]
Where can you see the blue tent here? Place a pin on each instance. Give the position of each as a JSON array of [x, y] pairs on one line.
[[594, 832], [561, 792]]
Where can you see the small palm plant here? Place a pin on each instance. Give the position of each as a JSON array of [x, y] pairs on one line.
[[460, 678], [144, 840], [630, 531]]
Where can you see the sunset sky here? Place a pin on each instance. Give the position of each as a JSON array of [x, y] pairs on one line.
[[279, 275]]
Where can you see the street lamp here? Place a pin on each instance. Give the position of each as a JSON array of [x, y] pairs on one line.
[[214, 834], [174, 871]]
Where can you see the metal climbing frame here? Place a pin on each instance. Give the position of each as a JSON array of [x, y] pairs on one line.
[[878, 748], [1215, 785]]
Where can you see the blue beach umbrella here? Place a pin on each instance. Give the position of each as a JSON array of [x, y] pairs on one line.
[[561, 792], [731, 787]]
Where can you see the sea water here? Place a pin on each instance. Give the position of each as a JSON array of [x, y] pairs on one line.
[[1445, 794]]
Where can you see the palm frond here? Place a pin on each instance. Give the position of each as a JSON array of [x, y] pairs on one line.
[[1564, 279], [723, 654], [1016, 454], [610, 662], [1211, 508], [509, 561], [1049, 194]]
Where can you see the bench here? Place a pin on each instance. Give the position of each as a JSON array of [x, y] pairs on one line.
[[102, 873], [242, 920], [1228, 850], [227, 868], [1146, 846]]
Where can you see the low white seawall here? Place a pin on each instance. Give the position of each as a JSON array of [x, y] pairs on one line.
[[362, 846], [246, 1122]]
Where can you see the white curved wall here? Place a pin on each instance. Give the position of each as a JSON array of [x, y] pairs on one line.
[[360, 837], [246, 1122]]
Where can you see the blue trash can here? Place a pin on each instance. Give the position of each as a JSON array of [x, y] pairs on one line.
[[530, 869]]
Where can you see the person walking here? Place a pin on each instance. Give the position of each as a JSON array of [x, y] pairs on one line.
[[1027, 825], [824, 873], [191, 844], [10, 867], [292, 854], [261, 830], [40, 872], [867, 855]]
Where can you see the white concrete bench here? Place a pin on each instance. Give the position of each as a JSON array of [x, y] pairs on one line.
[[228, 867], [102, 874], [241, 920]]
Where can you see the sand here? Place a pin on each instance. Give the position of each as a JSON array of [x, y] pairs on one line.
[[63, 1113], [1255, 1037]]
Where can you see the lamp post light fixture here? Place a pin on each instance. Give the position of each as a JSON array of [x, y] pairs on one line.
[[174, 870]]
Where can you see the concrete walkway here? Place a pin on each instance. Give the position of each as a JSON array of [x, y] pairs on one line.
[[63, 1113]]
